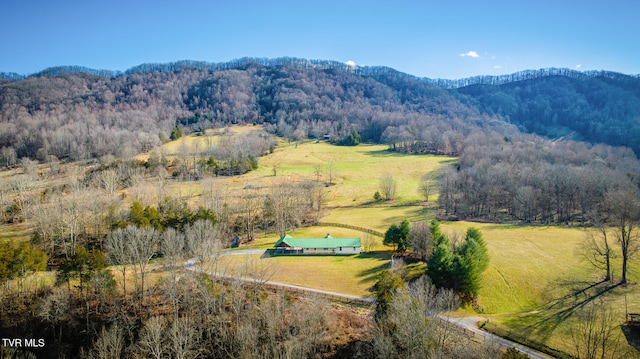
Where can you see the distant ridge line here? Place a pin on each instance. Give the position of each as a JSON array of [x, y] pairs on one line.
[[367, 71], [529, 75]]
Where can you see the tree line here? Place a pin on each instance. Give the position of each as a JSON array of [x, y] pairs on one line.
[[532, 180]]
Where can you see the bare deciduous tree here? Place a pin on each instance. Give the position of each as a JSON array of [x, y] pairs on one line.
[[415, 315], [368, 242], [143, 247], [183, 338], [597, 250], [426, 186], [420, 240], [388, 186], [9, 156], [133, 245], [173, 245], [331, 169], [56, 307], [119, 251], [596, 334], [624, 209], [109, 344], [250, 209], [109, 180], [152, 339], [287, 206]]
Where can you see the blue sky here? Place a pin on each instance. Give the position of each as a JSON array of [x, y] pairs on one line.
[[436, 39]]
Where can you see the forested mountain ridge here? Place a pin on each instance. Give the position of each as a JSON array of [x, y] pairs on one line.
[[599, 109], [75, 112]]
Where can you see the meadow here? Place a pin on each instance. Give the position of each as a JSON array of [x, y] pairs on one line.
[[537, 279]]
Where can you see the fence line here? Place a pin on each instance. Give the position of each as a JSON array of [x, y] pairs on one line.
[[342, 225], [468, 333]]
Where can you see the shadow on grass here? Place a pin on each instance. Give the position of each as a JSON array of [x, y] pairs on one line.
[[632, 334], [542, 322], [383, 153], [380, 255], [370, 275], [367, 274]]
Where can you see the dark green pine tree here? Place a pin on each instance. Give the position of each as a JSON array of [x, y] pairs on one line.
[[403, 239], [398, 236], [386, 287], [440, 263], [391, 236], [470, 262]]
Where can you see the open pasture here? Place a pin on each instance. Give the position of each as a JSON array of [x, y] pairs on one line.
[[356, 171], [353, 171], [538, 281]]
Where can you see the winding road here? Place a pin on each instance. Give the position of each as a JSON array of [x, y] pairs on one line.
[[466, 324]]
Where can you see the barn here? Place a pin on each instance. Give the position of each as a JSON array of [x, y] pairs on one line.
[[324, 246]]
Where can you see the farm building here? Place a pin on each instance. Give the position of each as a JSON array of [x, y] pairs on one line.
[[326, 245]]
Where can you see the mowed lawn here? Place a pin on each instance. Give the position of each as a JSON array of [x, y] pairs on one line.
[[378, 217], [353, 274]]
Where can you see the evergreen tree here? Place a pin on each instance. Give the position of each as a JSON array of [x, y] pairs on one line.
[[461, 268], [83, 265], [471, 261], [478, 249], [440, 263], [17, 259], [436, 232], [386, 286], [398, 235], [137, 215], [403, 239], [176, 133], [391, 236]]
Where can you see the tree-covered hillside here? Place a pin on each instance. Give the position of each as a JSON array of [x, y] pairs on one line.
[[602, 108], [75, 112]]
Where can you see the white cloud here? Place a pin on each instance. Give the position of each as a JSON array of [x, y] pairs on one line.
[[578, 66], [351, 64], [497, 67], [470, 54]]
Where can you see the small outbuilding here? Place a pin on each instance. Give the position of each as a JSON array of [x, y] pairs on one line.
[[309, 246]]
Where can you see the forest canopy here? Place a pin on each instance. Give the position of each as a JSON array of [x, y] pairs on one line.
[[79, 113]]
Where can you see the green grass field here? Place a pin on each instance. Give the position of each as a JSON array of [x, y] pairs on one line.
[[353, 274], [537, 281], [355, 170], [535, 273]]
